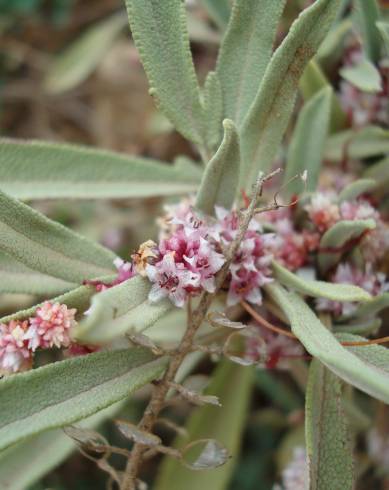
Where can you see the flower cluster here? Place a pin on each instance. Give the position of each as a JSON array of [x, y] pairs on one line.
[[50, 327]]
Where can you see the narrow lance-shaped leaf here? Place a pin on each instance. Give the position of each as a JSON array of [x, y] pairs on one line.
[[319, 289], [38, 455], [334, 243], [232, 385], [383, 28], [365, 143], [357, 188], [78, 298], [364, 75], [77, 61], [219, 10], [118, 310], [314, 80], [370, 14], [373, 307], [220, 179], [245, 53], [369, 374], [48, 247], [64, 392], [160, 34], [16, 278], [307, 146], [213, 109], [379, 172], [38, 170], [269, 115], [327, 440]]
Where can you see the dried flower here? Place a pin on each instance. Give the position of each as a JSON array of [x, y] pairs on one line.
[[50, 326], [296, 476], [146, 254]]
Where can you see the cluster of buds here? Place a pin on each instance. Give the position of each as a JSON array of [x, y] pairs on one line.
[[50, 327]]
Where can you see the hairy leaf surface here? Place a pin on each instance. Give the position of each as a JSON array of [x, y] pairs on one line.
[[64, 392], [38, 170]]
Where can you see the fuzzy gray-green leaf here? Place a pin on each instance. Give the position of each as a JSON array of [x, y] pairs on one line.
[[160, 34], [319, 289], [379, 172], [269, 114], [355, 189], [367, 142], [213, 109], [219, 11], [220, 179], [307, 145], [373, 307], [350, 364], [38, 455], [64, 392], [335, 240], [383, 28], [48, 247], [71, 67], [245, 53], [328, 447], [118, 310], [369, 15], [16, 278], [363, 75], [39, 170]]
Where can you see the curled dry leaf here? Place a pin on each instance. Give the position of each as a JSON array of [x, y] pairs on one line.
[[238, 347], [194, 396], [219, 319], [204, 454], [136, 435]]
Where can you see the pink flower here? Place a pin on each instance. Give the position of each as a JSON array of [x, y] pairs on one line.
[[14, 353], [50, 326], [205, 263], [323, 212], [372, 282], [172, 280], [75, 350]]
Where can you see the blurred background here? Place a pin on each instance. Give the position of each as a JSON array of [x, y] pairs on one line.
[[69, 72]]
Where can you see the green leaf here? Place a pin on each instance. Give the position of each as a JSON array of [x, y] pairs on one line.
[[335, 240], [368, 327], [319, 289], [232, 385], [307, 145], [81, 57], [245, 53], [219, 11], [48, 247], [370, 14], [383, 28], [364, 143], [78, 298], [64, 392], [379, 172], [314, 80], [363, 75], [118, 310], [331, 50], [270, 112], [213, 108], [221, 177], [16, 278], [160, 34], [38, 170], [355, 189], [375, 306], [327, 441], [40, 454], [351, 364]]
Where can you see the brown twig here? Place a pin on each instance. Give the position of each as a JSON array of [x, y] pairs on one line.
[[195, 319]]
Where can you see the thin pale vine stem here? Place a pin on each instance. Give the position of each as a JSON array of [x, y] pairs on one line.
[[194, 321]]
